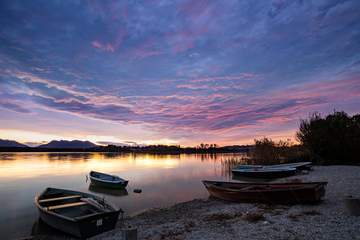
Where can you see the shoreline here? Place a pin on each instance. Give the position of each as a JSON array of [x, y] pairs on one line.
[[216, 219]]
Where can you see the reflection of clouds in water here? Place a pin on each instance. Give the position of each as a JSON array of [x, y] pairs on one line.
[[148, 162], [31, 165]]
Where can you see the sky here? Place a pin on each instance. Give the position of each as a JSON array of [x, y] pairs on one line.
[[174, 72]]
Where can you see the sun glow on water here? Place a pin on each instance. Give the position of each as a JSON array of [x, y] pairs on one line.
[[20, 165]]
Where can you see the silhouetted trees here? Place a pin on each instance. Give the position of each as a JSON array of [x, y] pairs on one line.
[[334, 139], [207, 146]]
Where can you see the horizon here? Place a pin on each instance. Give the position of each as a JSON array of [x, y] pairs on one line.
[[174, 73], [124, 144]]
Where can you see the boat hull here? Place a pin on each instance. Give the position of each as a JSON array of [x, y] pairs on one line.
[[82, 226], [103, 184], [107, 181], [264, 173], [286, 193]]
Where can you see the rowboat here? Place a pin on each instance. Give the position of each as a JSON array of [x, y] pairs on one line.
[[298, 166], [264, 173], [79, 214], [107, 180], [287, 193]]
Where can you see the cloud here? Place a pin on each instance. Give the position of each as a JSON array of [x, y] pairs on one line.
[[124, 143], [221, 83], [107, 112], [180, 69], [34, 144], [224, 112], [13, 106], [108, 47], [207, 113]]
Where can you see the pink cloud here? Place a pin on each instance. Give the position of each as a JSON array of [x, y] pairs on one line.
[[145, 49], [105, 47], [278, 110], [220, 113], [113, 45]]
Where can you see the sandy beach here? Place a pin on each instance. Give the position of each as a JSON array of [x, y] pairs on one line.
[[214, 219]]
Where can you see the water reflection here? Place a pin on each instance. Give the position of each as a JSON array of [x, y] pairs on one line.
[[29, 165], [164, 179], [107, 191]]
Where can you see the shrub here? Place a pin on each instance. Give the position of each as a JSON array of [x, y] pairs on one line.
[[334, 139]]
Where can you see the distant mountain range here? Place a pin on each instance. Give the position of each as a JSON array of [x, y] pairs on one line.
[[68, 144], [75, 144], [85, 146], [10, 143]]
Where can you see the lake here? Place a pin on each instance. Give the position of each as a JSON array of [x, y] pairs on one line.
[[164, 180]]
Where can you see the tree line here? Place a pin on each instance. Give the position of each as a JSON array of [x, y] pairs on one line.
[[333, 139]]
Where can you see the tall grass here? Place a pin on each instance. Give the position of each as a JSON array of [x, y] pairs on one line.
[[267, 151]]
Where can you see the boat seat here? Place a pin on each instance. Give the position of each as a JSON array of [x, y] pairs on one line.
[[66, 205], [59, 198]]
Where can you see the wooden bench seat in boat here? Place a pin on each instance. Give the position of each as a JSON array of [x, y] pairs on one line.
[[59, 198], [66, 205]]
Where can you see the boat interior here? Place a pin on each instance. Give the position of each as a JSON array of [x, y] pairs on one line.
[[70, 205], [105, 176]]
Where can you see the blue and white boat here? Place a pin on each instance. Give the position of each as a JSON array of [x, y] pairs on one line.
[[107, 180], [298, 166], [264, 172]]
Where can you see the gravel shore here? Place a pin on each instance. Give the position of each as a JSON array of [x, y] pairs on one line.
[[214, 219]]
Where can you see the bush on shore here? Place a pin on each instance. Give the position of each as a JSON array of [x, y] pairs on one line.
[[334, 139]]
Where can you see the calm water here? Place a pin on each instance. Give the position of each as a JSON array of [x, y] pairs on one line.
[[164, 179]]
